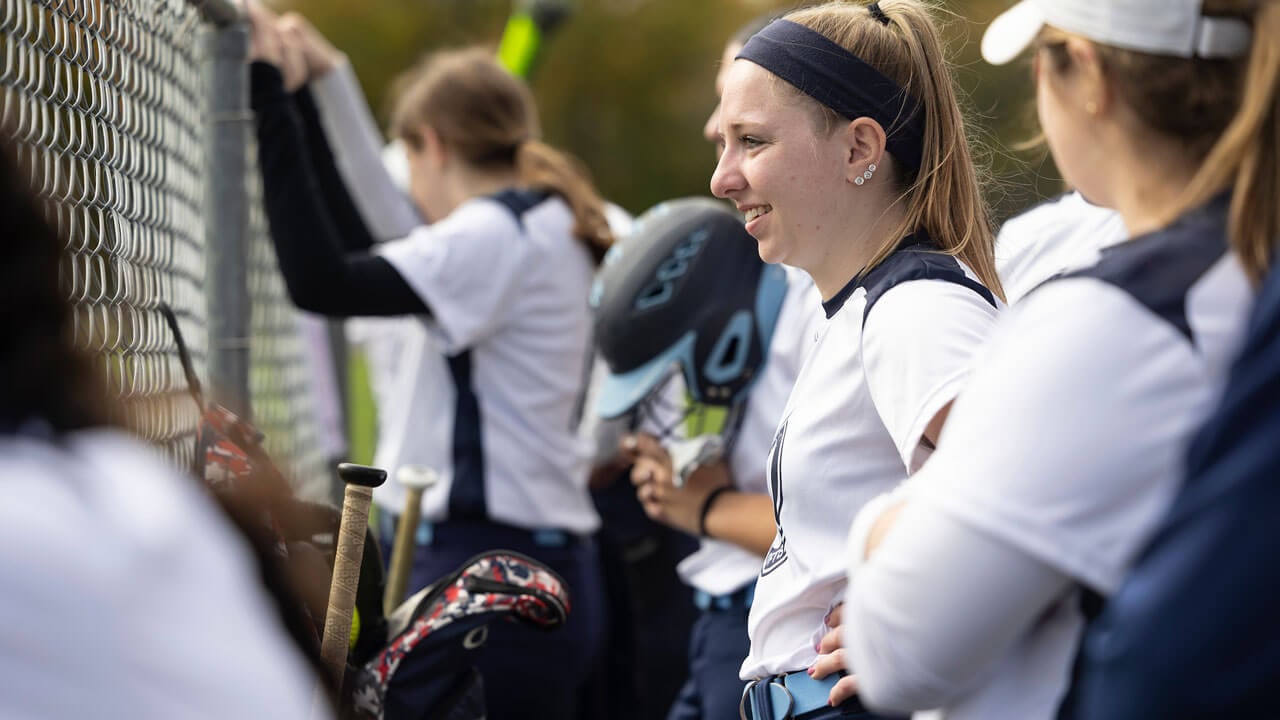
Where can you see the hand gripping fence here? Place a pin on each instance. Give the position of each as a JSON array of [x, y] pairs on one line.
[[132, 116]]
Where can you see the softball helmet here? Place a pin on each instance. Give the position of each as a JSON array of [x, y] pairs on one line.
[[685, 291]]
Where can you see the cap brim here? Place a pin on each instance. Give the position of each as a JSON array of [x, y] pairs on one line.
[[1012, 33], [620, 393]]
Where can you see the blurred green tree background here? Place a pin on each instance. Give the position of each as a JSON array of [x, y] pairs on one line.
[[627, 84]]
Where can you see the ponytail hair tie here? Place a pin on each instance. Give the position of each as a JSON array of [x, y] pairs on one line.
[[877, 13]]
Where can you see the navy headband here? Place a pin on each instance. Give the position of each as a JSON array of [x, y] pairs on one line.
[[835, 77]]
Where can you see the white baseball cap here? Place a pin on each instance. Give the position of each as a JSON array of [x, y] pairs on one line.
[[1159, 27]]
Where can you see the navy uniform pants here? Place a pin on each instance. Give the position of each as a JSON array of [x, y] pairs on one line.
[[717, 648]]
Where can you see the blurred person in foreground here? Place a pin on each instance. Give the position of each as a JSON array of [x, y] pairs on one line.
[[128, 593], [1192, 631], [999, 552]]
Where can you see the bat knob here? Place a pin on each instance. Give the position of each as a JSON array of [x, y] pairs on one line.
[[362, 475], [419, 477], [549, 14]]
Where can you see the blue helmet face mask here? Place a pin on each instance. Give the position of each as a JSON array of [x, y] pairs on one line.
[[686, 293]]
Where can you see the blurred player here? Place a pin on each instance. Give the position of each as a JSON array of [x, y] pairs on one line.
[[498, 279]]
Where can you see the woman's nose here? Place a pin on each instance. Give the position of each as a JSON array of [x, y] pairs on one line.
[[727, 178]]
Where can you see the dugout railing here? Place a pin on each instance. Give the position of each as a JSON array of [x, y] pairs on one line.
[[133, 118]]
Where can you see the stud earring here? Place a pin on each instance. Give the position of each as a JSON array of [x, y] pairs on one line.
[[871, 170]]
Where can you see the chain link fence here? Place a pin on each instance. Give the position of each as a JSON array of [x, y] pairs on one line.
[[109, 105]]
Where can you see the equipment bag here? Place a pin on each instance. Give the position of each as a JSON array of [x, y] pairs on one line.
[[426, 670]]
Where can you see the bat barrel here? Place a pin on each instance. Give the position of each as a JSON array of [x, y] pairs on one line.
[[416, 479]]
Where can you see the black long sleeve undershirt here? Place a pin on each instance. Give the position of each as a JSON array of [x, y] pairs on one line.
[[320, 278], [352, 230]]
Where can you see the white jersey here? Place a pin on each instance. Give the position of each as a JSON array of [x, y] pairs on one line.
[[128, 595], [1068, 444], [895, 349], [488, 396], [1065, 233], [720, 567]]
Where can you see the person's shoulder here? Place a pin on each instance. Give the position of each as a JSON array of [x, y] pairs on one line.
[[906, 267], [109, 443], [100, 484], [1161, 269], [1055, 214], [84, 448]]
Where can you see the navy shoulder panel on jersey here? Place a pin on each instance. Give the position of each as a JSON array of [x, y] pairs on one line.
[[916, 258], [519, 201], [1159, 269]]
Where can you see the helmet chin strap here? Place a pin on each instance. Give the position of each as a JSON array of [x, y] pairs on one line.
[[689, 453]]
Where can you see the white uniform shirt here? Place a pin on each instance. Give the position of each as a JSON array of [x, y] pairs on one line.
[[1065, 233], [495, 382], [1066, 448], [720, 567], [128, 595], [895, 349]]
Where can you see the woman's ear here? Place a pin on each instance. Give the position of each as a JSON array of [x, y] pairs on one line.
[[1093, 89], [433, 147], [864, 147]]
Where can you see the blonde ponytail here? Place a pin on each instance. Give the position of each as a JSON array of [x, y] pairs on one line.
[[1246, 157], [944, 196]]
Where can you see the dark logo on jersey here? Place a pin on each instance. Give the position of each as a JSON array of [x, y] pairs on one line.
[[778, 551]]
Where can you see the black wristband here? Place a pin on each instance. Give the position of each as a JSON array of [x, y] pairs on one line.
[[706, 508]]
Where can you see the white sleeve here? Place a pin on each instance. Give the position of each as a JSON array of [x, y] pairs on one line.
[[357, 147], [1068, 440], [918, 345], [931, 614], [465, 268]]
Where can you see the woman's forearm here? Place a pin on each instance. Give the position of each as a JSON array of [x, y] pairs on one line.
[[744, 519], [936, 608]]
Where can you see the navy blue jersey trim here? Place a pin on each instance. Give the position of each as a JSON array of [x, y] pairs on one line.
[[1158, 269], [916, 258], [520, 201], [466, 494]]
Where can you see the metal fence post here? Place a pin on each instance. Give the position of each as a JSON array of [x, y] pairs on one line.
[[227, 213]]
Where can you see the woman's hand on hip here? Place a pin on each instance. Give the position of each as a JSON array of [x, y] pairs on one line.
[[831, 659]]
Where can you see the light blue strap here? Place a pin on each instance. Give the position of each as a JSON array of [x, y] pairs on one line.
[[808, 694]]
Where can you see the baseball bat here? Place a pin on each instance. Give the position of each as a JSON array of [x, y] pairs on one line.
[[529, 26], [360, 480], [416, 479]]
